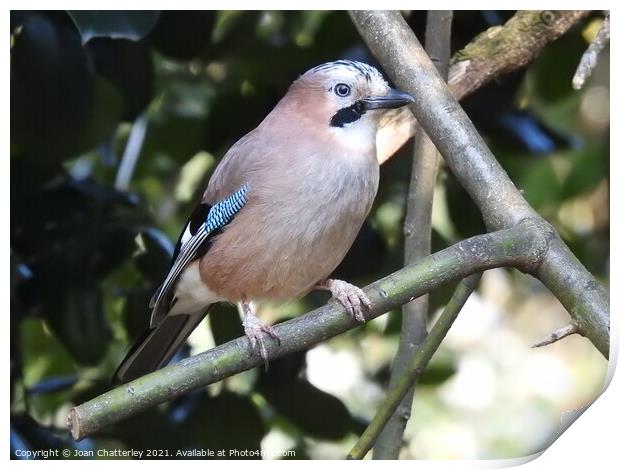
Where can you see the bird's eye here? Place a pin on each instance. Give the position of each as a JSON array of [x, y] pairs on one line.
[[342, 89]]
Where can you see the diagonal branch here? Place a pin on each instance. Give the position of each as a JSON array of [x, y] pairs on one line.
[[522, 246], [415, 366], [496, 52], [502, 205]]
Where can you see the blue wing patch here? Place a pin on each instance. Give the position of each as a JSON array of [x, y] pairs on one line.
[[223, 212]]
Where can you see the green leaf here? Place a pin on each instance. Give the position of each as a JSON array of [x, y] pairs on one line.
[[309, 407], [78, 321], [108, 109], [225, 323], [154, 258], [550, 75], [43, 354], [228, 422], [436, 374], [539, 183], [132, 25], [589, 166]]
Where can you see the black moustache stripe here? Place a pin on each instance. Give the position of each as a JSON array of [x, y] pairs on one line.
[[348, 115]]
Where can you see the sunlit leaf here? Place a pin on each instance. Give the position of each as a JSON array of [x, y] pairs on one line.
[[132, 25]]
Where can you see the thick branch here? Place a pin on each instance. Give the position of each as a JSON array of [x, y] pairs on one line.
[[497, 51], [521, 247], [415, 366], [501, 203], [417, 241]]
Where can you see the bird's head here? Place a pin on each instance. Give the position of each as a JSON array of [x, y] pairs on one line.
[[346, 97]]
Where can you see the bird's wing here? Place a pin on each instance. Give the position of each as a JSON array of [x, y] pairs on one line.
[[237, 167], [204, 222]]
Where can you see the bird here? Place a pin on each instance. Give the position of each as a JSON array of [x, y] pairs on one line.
[[280, 212]]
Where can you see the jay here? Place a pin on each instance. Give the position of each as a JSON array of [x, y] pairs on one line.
[[279, 214]]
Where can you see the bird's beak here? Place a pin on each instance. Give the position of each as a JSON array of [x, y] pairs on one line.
[[394, 99]]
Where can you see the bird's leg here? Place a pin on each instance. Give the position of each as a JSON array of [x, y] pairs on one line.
[[353, 298], [257, 331]]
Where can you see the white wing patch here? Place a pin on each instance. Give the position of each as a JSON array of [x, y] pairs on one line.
[[186, 236], [191, 294]]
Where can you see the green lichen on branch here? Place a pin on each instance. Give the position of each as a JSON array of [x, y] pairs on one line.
[[501, 49], [524, 29]]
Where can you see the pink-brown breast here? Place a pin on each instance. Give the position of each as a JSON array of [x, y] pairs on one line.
[[298, 224]]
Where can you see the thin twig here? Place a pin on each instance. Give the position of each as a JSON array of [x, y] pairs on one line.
[[416, 366], [520, 247], [131, 154], [417, 240], [590, 56], [473, 164], [557, 335]]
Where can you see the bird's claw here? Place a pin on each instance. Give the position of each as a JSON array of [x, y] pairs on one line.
[[353, 298], [257, 331]]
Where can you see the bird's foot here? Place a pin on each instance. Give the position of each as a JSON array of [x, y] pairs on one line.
[[257, 332], [353, 298]]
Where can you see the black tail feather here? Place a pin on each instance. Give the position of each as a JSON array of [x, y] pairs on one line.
[[157, 346]]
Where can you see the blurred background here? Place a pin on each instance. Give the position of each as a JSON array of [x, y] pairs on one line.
[[118, 120]]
